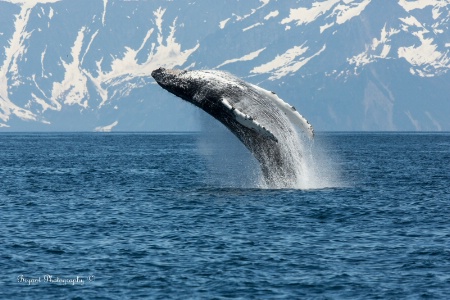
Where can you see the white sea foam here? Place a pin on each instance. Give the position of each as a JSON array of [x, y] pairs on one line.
[[230, 164], [311, 168]]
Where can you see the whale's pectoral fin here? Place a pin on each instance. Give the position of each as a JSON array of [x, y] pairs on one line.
[[248, 121], [293, 115], [296, 117]]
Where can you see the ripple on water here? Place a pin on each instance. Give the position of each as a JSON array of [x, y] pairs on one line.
[[145, 220]]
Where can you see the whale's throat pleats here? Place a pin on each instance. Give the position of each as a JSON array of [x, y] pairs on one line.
[[248, 121]]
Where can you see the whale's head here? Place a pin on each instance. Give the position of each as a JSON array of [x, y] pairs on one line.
[[177, 82], [201, 88]]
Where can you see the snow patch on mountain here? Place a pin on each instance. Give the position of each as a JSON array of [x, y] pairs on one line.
[[45, 106], [345, 13], [425, 58], [421, 4], [105, 4], [167, 53], [9, 70], [425, 55], [304, 15], [73, 89], [286, 63], [30, 3], [379, 49], [325, 27], [247, 57], [53, 105], [342, 12], [223, 23], [107, 128], [272, 14], [240, 18], [252, 26]]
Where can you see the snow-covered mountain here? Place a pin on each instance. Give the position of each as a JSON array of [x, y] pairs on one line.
[[346, 64]]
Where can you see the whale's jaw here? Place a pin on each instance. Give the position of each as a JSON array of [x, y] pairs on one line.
[[171, 81]]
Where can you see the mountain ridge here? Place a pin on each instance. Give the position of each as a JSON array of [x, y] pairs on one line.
[[346, 64]]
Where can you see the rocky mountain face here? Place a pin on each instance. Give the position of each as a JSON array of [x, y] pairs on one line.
[[345, 64]]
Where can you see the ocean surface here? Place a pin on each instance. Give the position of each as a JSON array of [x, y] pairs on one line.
[[177, 216]]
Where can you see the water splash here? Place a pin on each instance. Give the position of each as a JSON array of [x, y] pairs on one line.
[[230, 164], [311, 168], [302, 164]]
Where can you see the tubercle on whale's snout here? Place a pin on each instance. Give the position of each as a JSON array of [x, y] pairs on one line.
[[162, 73], [172, 81], [158, 74]]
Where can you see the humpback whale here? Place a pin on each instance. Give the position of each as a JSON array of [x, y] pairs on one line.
[[263, 122]]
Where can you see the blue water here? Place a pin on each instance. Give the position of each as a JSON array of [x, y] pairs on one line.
[[127, 216]]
